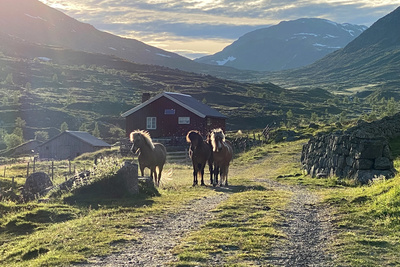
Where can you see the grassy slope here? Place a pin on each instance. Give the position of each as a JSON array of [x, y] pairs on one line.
[[366, 218]]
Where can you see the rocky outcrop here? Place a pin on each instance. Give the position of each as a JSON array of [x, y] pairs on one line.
[[361, 152]]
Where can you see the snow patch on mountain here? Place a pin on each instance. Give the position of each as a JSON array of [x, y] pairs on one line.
[[35, 17], [162, 55], [224, 61]]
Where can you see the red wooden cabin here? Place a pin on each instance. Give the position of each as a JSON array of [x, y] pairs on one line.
[[173, 115]]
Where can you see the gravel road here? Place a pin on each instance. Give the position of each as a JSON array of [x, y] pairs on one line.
[[159, 237], [306, 225]]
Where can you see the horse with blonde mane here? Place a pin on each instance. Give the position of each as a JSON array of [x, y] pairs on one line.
[[151, 155], [222, 156], [201, 153]]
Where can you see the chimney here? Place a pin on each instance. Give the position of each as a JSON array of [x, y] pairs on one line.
[[145, 97]]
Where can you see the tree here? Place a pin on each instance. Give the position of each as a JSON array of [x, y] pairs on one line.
[[96, 131], [63, 127], [342, 116], [289, 117], [10, 79], [12, 140], [117, 132], [41, 136], [55, 78], [28, 86], [314, 117], [83, 128], [20, 123]]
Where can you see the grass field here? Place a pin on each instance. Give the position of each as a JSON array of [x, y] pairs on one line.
[[73, 227]]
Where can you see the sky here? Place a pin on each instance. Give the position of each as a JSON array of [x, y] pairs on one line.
[[194, 28]]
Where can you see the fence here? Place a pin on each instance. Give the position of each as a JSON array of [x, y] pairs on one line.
[[178, 157]]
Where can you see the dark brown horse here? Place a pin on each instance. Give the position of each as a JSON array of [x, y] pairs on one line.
[[201, 153], [151, 155], [222, 156]]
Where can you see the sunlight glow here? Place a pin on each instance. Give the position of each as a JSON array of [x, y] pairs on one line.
[[183, 25]]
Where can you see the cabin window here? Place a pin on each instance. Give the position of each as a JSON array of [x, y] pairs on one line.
[[184, 120], [151, 123], [169, 112]]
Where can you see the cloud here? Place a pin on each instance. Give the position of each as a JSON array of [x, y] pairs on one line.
[[172, 24]]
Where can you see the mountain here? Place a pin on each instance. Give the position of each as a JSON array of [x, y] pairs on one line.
[[35, 22], [47, 86], [288, 45], [372, 59]]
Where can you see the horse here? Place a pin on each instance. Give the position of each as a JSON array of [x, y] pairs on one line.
[[222, 156], [151, 155], [201, 153]]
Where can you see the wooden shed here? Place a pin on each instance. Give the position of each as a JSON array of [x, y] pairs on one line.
[[173, 115], [70, 144]]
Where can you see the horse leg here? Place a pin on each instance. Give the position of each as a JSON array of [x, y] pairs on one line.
[[194, 174], [159, 174], [216, 171], [153, 175], [210, 168], [221, 176], [142, 170], [202, 176], [201, 172], [226, 176]]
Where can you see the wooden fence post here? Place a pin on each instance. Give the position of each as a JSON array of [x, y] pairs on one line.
[[27, 170], [34, 164], [52, 170], [69, 165]]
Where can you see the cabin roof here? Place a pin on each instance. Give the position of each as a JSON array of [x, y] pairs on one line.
[[186, 101], [85, 137]]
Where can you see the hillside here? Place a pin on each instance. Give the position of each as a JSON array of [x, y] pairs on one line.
[[288, 45], [47, 86], [35, 22], [370, 62]]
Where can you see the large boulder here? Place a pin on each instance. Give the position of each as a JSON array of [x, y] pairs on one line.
[[36, 184]]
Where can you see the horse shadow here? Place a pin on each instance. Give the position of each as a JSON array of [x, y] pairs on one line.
[[231, 189]]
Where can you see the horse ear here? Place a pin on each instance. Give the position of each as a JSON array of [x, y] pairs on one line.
[[131, 136]]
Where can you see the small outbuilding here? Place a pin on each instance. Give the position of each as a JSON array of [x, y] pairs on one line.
[[172, 115], [70, 144]]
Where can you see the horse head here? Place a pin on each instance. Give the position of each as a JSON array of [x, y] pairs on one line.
[[194, 138], [217, 139], [140, 139]]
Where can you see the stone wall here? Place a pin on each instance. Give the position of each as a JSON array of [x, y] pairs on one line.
[[361, 152]]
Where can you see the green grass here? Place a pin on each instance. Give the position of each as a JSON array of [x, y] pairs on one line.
[[366, 219]]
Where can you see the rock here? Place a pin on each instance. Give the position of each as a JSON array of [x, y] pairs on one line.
[[129, 175], [36, 184], [363, 164], [361, 152], [383, 163]]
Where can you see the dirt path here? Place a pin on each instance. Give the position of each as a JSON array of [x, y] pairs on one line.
[[308, 231], [154, 249], [307, 227]]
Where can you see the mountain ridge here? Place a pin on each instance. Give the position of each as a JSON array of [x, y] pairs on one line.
[[287, 45], [372, 58], [35, 22]]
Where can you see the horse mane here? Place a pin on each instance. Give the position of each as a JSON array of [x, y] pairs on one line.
[[195, 134], [145, 135], [214, 133]]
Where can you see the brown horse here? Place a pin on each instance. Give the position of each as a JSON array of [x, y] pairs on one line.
[[151, 155], [222, 156], [201, 153]]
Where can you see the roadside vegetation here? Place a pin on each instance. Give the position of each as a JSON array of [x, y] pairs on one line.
[[73, 226]]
